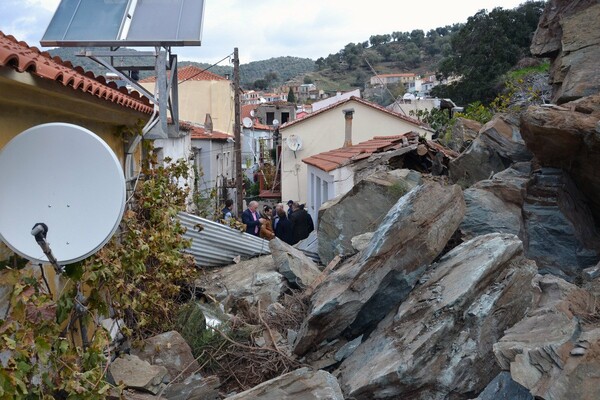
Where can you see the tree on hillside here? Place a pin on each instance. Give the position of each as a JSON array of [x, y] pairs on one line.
[[291, 97], [485, 48]]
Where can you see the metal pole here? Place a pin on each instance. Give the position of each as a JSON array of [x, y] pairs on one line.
[[237, 131]]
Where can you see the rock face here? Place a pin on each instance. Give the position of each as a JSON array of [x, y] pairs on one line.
[[171, 351], [464, 132], [302, 384], [136, 374], [298, 269], [361, 292], [251, 280], [569, 33], [559, 227], [568, 137], [498, 145], [439, 342], [554, 351], [504, 388], [360, 210]]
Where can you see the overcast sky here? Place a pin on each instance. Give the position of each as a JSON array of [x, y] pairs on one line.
[[262, 29]]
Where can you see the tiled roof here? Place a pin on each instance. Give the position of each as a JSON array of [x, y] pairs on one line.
[[200, 133], [394, 75], [330, 160], [359, 100], [22, 58], [190, 73]]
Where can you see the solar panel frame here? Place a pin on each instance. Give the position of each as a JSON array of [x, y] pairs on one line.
[[98, 23]]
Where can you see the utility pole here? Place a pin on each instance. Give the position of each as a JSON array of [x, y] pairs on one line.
[[237, 132]]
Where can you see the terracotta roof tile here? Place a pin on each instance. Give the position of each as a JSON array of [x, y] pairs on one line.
[[190, 73], [330, 160], [362, 101], [200, 133], [23, 58]]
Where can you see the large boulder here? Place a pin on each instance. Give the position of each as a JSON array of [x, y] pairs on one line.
[[366, 287], [554, 352], [464, 131], [503, 387], [569, 33], [360, 210], [498, 145], [135, 373], [171, 351], [294, 265], [301, 384], [559, 229], [568, 137], [251, 280], [438, 344]]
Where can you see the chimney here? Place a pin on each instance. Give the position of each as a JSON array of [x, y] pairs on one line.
[[208, 124], [348, 117]]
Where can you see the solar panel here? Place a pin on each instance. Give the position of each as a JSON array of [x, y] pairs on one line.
[[100, 23], [174, 21], [84, 21]]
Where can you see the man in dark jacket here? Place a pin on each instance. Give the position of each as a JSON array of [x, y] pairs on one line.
[[302, 223], [283, 228], [252, 219]]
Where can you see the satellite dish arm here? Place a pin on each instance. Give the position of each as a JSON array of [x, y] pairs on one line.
[[39, 231]]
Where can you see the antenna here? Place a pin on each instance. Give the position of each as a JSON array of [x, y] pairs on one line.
[[294, 143], [68, 188], [247, 122]]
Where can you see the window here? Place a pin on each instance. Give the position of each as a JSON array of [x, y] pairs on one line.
[[285, 117], [270, 118]]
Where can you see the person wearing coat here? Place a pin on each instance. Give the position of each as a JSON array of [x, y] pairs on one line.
[[302, 223], [252, 219], [283, 229], [266, 229]]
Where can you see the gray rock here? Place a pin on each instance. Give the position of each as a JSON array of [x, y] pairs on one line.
[[559, 227], [194, 387], [504, 388], [137, 374], [171, 351], [591, 273], [438, 344], [297, 268], [537, 350], [251, 280], [498, 145], [361, 242], [346, 350], [360, 210], [301, 384], [360, 292]]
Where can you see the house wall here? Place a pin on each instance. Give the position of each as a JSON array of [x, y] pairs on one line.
[[27, 101], [251, 148], [414, 105], [323, 186], [215, 160], [198, 98], [325, 132]]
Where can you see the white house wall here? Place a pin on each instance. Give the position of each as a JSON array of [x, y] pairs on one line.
[[325, 132], [214, 160], [177, 149]]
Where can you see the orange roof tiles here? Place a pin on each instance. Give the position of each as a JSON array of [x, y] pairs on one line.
[[357, 99], [330, 160], [190, 73], [200, 133], [23, 58]]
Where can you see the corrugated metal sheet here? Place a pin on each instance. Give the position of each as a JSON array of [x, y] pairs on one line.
[[217, 244], [310, 247]]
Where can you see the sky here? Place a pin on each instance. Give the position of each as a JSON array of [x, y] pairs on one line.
[[263, 29]]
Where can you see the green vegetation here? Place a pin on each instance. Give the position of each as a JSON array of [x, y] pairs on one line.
[[487, 47], [140, 276]]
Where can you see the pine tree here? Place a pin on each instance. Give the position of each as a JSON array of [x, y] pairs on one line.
[[291, 97]]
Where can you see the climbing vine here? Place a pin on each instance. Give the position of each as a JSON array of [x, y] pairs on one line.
[[52, 346]]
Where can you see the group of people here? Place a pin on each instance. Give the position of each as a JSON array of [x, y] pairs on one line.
[[291, 226]]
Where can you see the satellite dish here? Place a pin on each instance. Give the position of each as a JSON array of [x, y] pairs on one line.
[[252, 113], [67, 178], [247, 122], [294, 142]]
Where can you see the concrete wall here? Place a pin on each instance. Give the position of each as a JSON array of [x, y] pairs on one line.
[[198, 98], [325, 132]]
